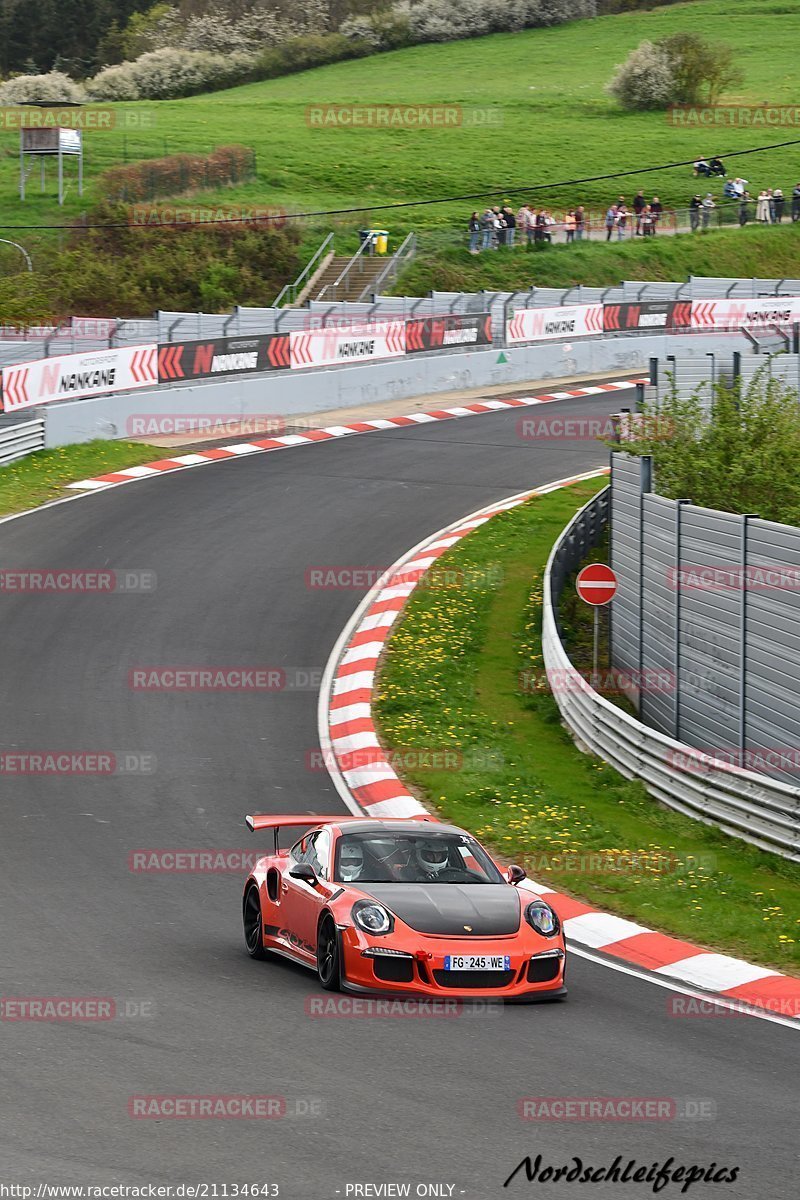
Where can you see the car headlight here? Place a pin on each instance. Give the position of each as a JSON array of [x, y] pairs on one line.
[[542, 918], [372, 917]]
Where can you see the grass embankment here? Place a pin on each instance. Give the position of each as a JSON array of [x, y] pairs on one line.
[[41, 477], [763, 252], [450, 681], [545, 87]]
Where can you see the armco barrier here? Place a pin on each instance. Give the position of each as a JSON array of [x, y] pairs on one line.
[[758, 810], [20, 438]]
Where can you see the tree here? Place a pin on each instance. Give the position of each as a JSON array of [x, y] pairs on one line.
[[681, 69]]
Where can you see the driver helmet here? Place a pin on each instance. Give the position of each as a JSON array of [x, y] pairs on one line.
[[351, 861], [432, 856]]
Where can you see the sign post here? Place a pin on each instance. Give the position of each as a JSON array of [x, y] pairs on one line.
[[596, 585]]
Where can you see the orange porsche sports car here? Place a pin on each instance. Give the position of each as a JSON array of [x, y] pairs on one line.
[[402, 906]]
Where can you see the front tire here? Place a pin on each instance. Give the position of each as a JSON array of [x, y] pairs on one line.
[[253, 923], [329, 969]]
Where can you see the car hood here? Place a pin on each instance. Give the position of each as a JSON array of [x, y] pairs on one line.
[[491, 909]]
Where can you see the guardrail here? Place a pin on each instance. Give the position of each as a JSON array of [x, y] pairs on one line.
[[16, 441], [758, 810]]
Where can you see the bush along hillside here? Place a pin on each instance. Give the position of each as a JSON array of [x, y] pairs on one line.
[[168, 52], [123, 268]]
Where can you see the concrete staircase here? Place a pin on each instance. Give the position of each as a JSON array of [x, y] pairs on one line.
[[363, 273]]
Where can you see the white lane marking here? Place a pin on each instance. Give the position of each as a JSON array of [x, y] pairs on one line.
[[716, 971], [599, 929]]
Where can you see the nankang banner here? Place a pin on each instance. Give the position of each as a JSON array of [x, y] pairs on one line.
[[222, 356], [649, 314], [357, 343], [749, 314], [69, 376], [543, 324], [455, 329]]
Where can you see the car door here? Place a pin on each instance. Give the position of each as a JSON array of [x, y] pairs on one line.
[[301, 903]]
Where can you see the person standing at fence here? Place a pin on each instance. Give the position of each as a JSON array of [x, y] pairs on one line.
[[638, 208], [648, 222], [611, 220], [778, 203], [580, 222], [511, 224], [708, 207], [695, 205], [622, 220], [796, 202], [523, 224], [656, 208], [762, 207], [569, 225], [744, 208], [487, 226], [474, 233]]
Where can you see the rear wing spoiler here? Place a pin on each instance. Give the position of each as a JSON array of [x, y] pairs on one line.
[[260, 821]]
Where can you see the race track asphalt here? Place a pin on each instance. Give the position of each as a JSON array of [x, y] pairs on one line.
[[391, 1100]]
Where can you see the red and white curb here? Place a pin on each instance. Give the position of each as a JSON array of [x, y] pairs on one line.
[[326, 433], [349, 739]]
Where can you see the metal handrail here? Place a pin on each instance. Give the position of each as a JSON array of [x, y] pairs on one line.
[[403, 254], [293, 289], [358, 258]]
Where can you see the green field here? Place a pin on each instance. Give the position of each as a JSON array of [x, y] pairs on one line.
[[450, 682], [546, 86]]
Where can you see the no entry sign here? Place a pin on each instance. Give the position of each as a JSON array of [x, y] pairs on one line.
[[596, 584]]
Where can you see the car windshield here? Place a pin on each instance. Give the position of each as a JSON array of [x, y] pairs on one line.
[[403, 857]]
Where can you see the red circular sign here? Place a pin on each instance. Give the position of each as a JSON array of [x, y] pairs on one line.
[[596, 584]]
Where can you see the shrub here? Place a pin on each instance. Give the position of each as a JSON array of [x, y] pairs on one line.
[[165, 74], [178, 173], [681, 69], [54, 88], [645, 80], [441, 21]]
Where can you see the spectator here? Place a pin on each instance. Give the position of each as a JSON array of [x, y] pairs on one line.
[[569, 225], [622, 220], [648, 221], [580, 218], [744, 208], [729, 190], [511, 224], [499, 226], [778, 203], [762, 207], [487, 225], [796, 202], [523, 224], [708, 207], [771, 199], [611, 220], [739, 185], [474, 233], [638, 208], [694, 213], [656, 209], [701, 167], [542, 234], [716, 167]]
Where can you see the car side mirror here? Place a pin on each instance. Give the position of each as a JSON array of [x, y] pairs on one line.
[[516, 874], [305, 872]]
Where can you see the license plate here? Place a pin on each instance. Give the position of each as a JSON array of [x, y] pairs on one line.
[[477, 962]]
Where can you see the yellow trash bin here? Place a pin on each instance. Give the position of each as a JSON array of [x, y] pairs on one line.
[[381, 237]]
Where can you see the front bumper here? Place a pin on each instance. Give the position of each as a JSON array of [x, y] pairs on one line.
[[535, 968]]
